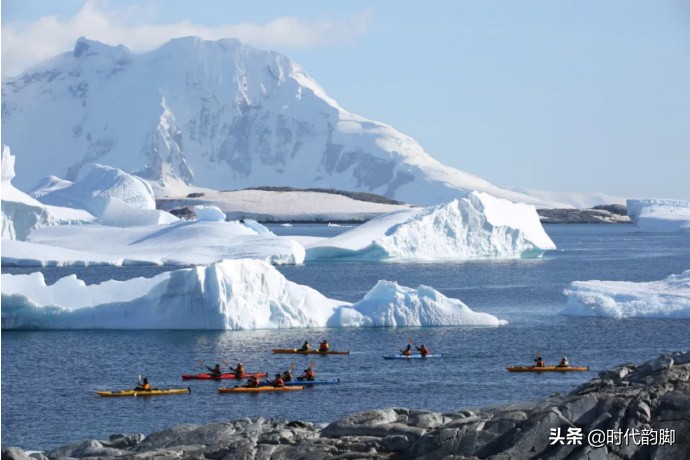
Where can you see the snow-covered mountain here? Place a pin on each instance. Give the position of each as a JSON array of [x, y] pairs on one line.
[[216, 114]]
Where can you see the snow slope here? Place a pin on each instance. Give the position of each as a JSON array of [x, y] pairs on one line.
[[283, 206], [231, 294], [215, 114], [667, 299], [179, 243], [479, 226], [659, 215], [21, 214]]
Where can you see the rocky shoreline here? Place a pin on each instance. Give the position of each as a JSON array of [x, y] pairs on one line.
[[645, 411]]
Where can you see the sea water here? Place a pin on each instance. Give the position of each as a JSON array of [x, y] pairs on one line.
[[48, 377]]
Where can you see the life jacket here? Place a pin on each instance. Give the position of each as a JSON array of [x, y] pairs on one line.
[[324, 347], [278, 382], [305, 347], [239, 370], [253, 383], [424, 351], [310, 374], [146, 386], [407, 352], [287, 376]]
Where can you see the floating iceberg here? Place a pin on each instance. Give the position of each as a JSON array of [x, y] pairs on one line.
[[475, 227], [657, 215], [389, 305], [180, 243], [666, 299], [21, 213], [231, 294]]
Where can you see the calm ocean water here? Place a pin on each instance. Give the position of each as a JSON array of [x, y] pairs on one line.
[[48, 378]]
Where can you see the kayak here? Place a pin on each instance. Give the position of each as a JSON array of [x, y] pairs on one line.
[[154, 392], [311, 382], [209, 376], [308, 352], [546, 369], [259, 389], [415, 356]]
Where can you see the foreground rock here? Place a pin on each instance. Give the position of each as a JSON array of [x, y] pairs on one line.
[[638, 400]]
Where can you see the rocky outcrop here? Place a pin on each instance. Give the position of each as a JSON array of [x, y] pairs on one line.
[[603, 214], [639, 405]]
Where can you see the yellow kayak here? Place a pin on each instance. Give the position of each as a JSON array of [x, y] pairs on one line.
[[308, 352], [154, 392], [259, 389], [547, 369]]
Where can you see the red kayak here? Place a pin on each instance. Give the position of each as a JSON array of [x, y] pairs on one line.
[[209, 376]]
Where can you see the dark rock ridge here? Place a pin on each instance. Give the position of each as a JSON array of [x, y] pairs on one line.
[[602, 214], [652, 397]]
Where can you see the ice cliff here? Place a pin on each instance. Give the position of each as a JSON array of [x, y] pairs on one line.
[[658, 215]]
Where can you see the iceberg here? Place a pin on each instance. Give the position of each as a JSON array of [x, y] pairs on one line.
[[118, 213], [227, 295], [475, 227], [21, 213], [179, 243], [667, 299], [658, 215], [390, 305]]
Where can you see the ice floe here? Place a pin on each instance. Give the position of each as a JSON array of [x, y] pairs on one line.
[[668, 298]]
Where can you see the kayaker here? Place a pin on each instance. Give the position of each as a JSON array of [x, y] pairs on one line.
[[538, 362], [216, 372], [407, 351], [144, 386], [422, 350], [287, 376], [305, 347], [324, 346], [239, 370], [309, 375], [564, 362], [253, 382], [278, 382]]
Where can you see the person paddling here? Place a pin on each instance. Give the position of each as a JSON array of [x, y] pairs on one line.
[[287, 376], [407, 351], [238, 370], [278, 382], [325, 346], [564, 362], [253, 382], [143, 386], [216, 372], [424, 351], [538, 361], [305, 346], [308, 375]]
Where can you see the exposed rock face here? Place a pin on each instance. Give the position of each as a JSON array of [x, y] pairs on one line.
[[603, 214], [634, 399]]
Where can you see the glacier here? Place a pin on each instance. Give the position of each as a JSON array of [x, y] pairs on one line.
[[668, 298], [21, 213], [227, 295], [215, 114], [478, 226], [660, 215]]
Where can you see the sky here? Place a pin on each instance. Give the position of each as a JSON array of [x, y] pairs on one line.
[[566, 96]]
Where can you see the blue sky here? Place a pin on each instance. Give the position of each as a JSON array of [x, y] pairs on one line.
[[581, 96]]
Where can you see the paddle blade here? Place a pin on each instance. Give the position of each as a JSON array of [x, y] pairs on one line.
[[292, 366], [410, 340], [312, 365], [224, 361]]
